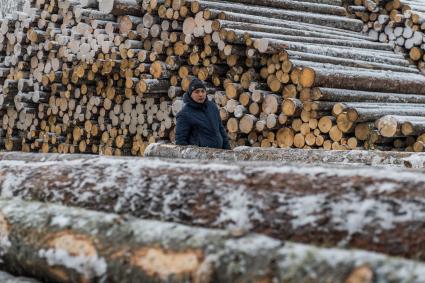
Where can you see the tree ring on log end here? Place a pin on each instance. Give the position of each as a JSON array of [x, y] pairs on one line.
[[157, 262]]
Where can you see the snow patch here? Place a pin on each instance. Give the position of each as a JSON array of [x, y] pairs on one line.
[[61, 221], [415, 161], [91, 266], [237, 209]]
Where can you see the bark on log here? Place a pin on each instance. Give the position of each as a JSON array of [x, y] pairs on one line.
[[349, 62], [254, 19], [271, 198], [9, 278], [305, 17], [121, 7], [339, 52], [357, 114], [63, 244], [345, 95], [296, 5], [369, 81], [392, 159], [314, 40], [282, 29]]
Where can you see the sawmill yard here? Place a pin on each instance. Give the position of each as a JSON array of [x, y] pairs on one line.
[[324, 105]]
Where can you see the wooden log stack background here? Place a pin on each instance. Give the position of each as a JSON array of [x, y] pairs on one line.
[[107, 77]]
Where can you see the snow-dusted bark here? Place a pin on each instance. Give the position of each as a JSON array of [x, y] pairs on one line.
[[8, 6], [9, 278], [364, 157], [362, 207], [63, 244]]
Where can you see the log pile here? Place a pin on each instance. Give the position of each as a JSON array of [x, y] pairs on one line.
[[108, 77], [302, 203], [401, 24], [62, 244]]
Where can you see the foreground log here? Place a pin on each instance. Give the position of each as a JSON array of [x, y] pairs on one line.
[[63, 244], [317, 205], [382, 158], [9, 278]]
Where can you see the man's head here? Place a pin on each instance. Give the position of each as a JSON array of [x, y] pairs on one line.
[[197, 91]]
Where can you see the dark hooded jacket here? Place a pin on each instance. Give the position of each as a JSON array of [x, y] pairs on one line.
[[200, 124]]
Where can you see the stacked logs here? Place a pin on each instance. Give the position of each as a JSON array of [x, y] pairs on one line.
[[401, 22], [108, 77], [63, 244], [303, 203]]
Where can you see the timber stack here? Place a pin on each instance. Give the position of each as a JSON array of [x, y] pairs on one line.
[[107, 77], [229, 221], [400, 23]]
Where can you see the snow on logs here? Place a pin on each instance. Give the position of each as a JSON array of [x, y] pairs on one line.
[[9, 278], [398, 22], [303, 203], [111, 81], [64, 244], [377, 158]]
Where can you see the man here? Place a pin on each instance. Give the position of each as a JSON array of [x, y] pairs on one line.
[[199, 123]]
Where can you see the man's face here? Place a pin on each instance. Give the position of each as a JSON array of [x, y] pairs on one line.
[[199, 95]]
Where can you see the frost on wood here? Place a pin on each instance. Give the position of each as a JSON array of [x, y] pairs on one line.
[[101, 247], [8, 6], [362, 207], [396, 159], [9, 278]]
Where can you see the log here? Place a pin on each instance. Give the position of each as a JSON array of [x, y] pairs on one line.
[[357, 114], [63, 244], [408, 125], [254, 19], [396, 159], [366, 80], [9, 278], [313, 40], [348, 62], [283, 29], [342, 52], [60, 181], [305, 17], [121, 7], [345, 95], [297, 6]]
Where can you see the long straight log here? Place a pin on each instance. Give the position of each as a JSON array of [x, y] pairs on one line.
[[121, 7], [255, 19], [294, 31], [63, 244], [269, 197], [311, 156], [348, 62], [346, 95], [355, 68], [295, 5], [384, 81], [313, 40], [305, 17], [9, 278], [339, 52], [357, 114]]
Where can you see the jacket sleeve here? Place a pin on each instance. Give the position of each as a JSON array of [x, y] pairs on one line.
[[182, 129], [223, 133]]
